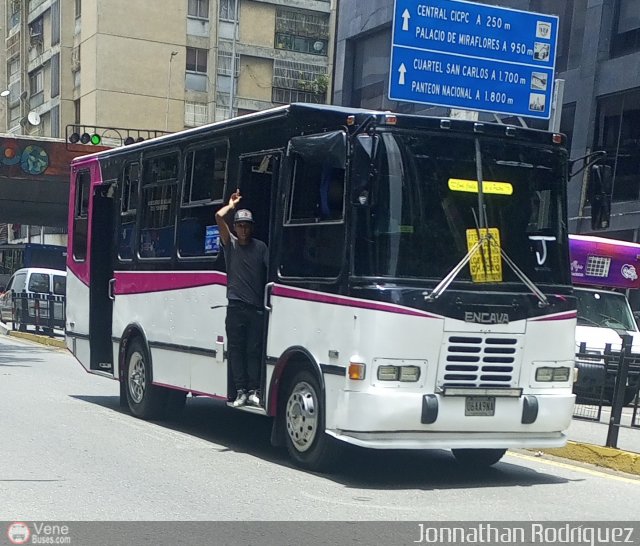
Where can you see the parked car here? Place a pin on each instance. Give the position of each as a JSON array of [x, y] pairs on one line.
[[36, 283], [604, 315]]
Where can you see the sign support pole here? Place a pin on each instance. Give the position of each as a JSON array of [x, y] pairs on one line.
[[556, 106]]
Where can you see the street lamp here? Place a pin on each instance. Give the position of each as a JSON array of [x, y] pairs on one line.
[[166, 115]]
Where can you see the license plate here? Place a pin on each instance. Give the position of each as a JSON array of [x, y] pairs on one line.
[[480, 405]]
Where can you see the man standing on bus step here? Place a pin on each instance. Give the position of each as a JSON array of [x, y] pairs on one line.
[[246, 260]]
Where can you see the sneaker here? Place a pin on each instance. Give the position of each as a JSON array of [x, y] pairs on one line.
[[254, 398], [241, 399]]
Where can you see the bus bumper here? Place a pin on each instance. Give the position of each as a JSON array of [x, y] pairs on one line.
[[396, 421]]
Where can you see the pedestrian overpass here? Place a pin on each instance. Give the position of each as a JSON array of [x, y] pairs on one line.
[[34, 179]]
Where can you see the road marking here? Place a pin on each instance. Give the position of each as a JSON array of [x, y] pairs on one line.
[[575, 468]]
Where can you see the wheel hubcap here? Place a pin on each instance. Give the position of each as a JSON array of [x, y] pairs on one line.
[[302, 417], [137, 380]]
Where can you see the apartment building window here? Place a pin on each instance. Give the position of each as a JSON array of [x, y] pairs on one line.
[[36, 30], [78, 8], [196, 78], [228, 10], [55, 121], [14, 69], [225, 65], [626, 37], [370, 71], [197, 60], [198, 8], [195, 114], [55, 75], [36, 82], [299, 82], [14, 116], [76, 111], [13, 14], [617, 132], [302, 31], [55, 23]]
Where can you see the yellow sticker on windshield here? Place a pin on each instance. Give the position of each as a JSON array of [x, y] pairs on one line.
[[471, 186], [486, 263]]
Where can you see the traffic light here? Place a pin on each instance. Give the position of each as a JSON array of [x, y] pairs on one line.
[[85, 138], [131, 140]]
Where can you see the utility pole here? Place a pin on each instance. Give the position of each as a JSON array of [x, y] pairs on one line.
[[166, 115]]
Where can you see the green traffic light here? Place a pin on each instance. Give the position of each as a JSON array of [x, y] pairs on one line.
[[95, 139]]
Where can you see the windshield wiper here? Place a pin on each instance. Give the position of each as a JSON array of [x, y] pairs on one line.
[[482, 228], [543, 301]]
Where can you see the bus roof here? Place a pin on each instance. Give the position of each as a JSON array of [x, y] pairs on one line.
[[596, 261], [330, 115]]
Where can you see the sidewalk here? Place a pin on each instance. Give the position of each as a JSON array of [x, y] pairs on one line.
[[586, 438], [31, 336]]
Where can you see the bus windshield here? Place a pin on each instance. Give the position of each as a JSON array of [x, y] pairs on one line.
[[424, 207], [604, 310]]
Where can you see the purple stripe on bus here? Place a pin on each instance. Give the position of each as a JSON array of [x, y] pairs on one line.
[[143, 283], [560, 316], [297, 294]]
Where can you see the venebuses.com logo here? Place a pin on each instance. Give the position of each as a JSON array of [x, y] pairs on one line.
[[37, 532], [18, 533]]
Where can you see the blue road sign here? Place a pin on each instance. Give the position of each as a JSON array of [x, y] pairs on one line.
[[471, 56]]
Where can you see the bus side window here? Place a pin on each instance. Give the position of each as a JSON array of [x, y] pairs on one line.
[[128, 208], [204, 180], [81, 215]]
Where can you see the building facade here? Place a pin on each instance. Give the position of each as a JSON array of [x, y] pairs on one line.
[[598, 57], [123, 68]]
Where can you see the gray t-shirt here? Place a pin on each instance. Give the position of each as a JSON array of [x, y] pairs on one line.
[[246, 270]]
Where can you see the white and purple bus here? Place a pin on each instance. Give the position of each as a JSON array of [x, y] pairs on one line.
[[418, 293]]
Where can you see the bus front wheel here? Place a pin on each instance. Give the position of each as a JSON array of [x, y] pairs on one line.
[[478, 458], [145, 400], [308, 444]]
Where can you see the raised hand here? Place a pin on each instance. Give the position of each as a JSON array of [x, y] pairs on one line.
[[234, 199]]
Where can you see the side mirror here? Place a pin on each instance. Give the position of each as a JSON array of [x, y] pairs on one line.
[[600, 190]]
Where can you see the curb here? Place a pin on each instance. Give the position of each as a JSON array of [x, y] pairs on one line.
[[607, 457], [43, 340]]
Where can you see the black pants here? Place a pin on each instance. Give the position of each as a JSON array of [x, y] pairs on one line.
[[244, 325]]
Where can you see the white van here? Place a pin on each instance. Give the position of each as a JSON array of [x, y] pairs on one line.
[[36, 283], [602, 316]]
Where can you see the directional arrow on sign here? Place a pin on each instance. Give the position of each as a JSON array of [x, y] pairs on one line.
[[405, 17], [402, 71]]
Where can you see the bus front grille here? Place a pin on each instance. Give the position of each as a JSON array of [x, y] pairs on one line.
[[480, 361]]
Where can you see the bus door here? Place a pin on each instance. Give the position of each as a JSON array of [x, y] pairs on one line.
[[308, 246], [257, 183], [100, 274]]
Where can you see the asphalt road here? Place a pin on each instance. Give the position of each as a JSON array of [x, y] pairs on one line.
[[68, 452]]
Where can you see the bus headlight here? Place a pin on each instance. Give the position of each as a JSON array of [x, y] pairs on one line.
[[406, 374], [547, 374], [388, 373], [409, 373]]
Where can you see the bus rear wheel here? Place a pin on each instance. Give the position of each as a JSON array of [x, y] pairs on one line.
[[307, 442], [478, 458], [145, 400]]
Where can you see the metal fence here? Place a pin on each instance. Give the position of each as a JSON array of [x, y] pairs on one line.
[[608, 379], [44, 312]]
